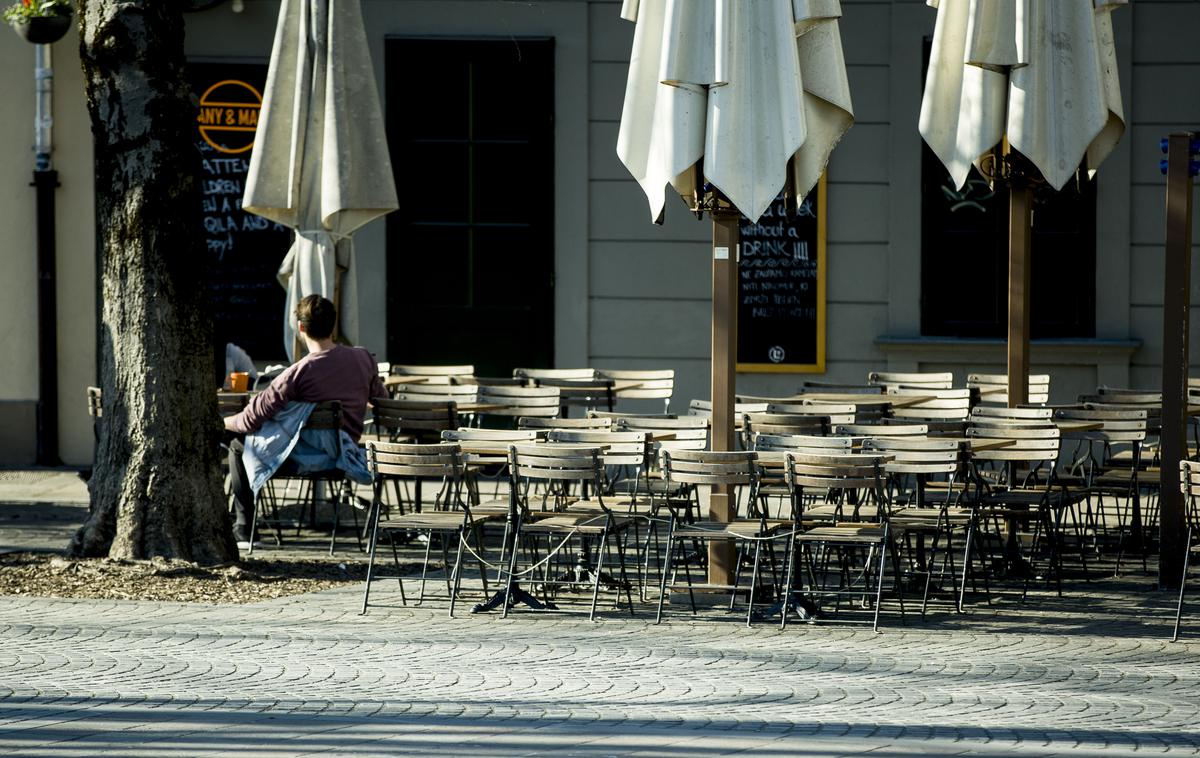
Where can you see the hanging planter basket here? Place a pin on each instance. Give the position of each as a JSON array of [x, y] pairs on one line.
[[42, 30]]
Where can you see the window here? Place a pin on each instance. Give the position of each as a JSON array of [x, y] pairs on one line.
[[964, 257], [471, 250]]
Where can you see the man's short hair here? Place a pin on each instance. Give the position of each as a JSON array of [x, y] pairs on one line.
[[317, 315]]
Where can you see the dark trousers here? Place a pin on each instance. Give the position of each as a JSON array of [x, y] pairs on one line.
[[243, 496]]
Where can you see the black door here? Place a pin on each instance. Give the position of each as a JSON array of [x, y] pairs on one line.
[[470, 253]]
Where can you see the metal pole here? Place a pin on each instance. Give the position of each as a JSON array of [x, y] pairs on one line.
[[1020, 234], [724, 374], [1176, 302], [45, 180]]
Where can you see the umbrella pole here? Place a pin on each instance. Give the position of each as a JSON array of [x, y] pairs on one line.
[[1020, 233], [1176, 317], [724, 374]]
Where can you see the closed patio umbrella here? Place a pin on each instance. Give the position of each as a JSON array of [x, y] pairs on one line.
[[1037, 80], [320, 163], [730, 102]]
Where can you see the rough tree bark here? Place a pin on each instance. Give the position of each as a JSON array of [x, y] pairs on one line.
[[156, 487]]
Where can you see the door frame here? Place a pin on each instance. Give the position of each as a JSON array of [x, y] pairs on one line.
[[567, 23]]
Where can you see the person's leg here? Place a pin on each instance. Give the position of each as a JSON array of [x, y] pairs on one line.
[[243, 496]]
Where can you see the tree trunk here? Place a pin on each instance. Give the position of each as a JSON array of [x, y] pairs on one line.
[[156, 487]]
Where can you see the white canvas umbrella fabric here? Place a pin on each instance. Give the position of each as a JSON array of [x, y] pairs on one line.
[[743, 85], [320, 162], [1044, 72]]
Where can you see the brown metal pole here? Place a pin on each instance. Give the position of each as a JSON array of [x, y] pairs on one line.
[[724, 374], [1020, 233], [1176, 302]]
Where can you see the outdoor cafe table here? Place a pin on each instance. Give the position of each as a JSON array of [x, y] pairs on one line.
[[481, 452]]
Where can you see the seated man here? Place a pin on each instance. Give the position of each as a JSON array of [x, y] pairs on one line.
[[274, 419]]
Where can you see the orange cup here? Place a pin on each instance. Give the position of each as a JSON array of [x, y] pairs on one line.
[[239, 381]]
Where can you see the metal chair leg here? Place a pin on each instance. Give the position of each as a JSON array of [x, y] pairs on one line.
[[883, 551], [458, 561], [1187, 554], [373, 517], [753, 584], [662, 586], [599, 569]]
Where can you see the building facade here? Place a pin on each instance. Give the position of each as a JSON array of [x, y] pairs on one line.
[[621, 291]]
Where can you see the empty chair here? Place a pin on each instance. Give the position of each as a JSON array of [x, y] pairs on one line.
[[735, 470], [838, 413], [577, 386], [451, 518], [668, 434], [437, 393], [918, 380], [783, 423], [422, 421], [847, 557], [515, 402], [682, 433], [771, 462], [652, 384], [1130, 395], [485, 452], [489, 445], [942, 404], [993, 388], [556, 468], [990, 415], [418, 421], [1028, 486], [914, 463], [1108, 465], [621, 451]]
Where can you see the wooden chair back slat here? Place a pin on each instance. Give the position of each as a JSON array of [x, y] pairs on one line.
[[881, 430], [941, 380], [433, 461], [654, 384], [598, 423], [542, 374], [522, 401], [710, 468], [800, 442]]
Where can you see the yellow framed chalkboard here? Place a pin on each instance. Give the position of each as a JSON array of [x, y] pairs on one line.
[[781, 289]]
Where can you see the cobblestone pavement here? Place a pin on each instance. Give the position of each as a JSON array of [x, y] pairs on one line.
[[1085, 675]]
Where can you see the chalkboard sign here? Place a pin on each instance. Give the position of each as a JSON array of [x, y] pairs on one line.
[[244, 251], [781, 289]]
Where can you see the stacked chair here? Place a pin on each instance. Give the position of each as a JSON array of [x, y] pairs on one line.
[[450, 520], [845, 555]]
